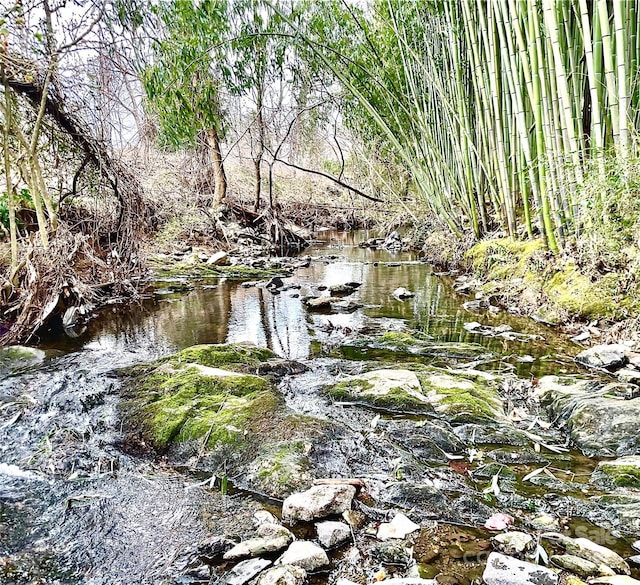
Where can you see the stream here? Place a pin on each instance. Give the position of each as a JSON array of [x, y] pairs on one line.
[[80, 504]]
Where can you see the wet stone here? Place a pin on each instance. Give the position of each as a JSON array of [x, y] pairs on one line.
[[513, 543], [478, 434], [604, 357], [426, 500], [245, 571], [519, 457], [393, 552], [624, 471], [577, 565], [318, 502], [591, 551], [400, 527], [285, 575], [273, 537], [331, 534], [305, 554], [504, 570]]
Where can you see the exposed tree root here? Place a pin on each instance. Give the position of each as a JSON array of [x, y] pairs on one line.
[[67, 281]]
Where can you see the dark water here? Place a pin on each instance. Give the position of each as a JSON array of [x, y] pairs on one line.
[[75, 507]]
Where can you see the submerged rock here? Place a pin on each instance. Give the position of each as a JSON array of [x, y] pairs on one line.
[[318, 303], [591, 551], [318, 501], [304, 554], [579, 566], [599, 422], [504, 570], [513, 543]]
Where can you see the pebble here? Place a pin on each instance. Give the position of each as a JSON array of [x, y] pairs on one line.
[[245, 571], [285, 575], [513, 543]]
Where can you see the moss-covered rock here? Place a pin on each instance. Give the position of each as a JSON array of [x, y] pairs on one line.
[[624, 471], [282, 468], [395, 390], [463, 397], [198, 402], [14, 357], [201, 401], [459, 396], [600, 422], [191, 268]]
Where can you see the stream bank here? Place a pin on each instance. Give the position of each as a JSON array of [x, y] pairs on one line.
[[445, 422]]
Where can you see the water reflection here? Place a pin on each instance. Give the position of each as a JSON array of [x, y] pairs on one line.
[[228, 312]]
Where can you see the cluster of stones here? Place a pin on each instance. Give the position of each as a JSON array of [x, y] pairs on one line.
[[275, 557]]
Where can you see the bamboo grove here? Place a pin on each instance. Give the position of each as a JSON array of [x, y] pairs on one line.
[[501, 108]]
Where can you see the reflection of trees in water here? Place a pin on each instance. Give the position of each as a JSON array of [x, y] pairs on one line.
[[275, 321]]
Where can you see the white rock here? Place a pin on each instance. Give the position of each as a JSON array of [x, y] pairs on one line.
[[273, 537], [504, 570], [399, 527], [304, 554], [264, 517], [220, 258], [513, 542], [318, 501], [403, 293], [331, 534], [285, 575], [608, 357]]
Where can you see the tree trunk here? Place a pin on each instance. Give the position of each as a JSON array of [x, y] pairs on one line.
[[257, 160], [219, 176]]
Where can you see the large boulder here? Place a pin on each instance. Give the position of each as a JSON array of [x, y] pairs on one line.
[[397, 390], [458, 396], [599, 419], [203, 402]]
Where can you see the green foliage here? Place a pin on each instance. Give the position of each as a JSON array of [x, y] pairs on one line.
[[183, 84]]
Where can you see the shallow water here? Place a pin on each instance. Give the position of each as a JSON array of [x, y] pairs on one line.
[[77, 506], [225, 311]]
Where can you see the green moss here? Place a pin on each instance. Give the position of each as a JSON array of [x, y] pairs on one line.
[[359, 390], [233, 357], [461, 399], [216, 356], [402, 340], [506, 258], [183, 405], [623, 475], [282, 468], [580, 296], [165, 268]]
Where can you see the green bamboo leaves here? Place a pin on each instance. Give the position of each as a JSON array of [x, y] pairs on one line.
[[499, 108]]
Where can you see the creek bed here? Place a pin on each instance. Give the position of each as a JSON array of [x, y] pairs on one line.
[[81, 504]]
